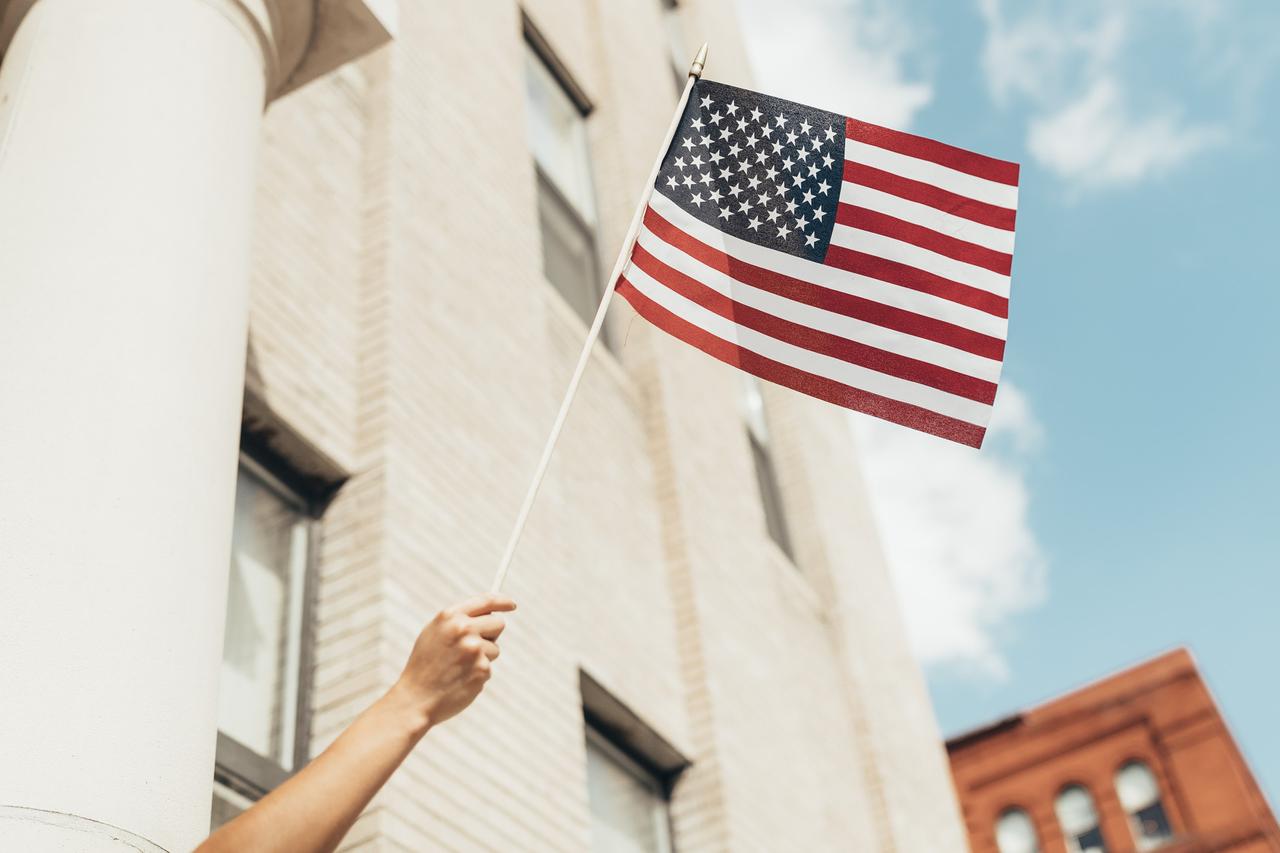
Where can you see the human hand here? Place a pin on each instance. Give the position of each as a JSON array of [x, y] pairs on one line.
[[453, 658]]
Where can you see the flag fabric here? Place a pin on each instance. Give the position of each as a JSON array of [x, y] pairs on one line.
[[864, 266]]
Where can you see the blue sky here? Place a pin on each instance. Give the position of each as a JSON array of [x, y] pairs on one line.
[[1127, 501]]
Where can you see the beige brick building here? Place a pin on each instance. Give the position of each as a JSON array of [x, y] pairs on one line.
[[709, 653]]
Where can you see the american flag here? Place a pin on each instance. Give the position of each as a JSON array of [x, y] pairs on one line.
[[864, 266]]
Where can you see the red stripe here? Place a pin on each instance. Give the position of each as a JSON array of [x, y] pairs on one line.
[[857, 307], [815, 340], [969, 162], [806, 383], [928, 194], [926, 238], [907, 276]]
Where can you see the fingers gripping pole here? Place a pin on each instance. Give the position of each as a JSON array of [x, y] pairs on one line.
[[695, 71]]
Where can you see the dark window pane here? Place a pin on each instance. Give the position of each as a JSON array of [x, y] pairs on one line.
[[568, 251], [770, 495]]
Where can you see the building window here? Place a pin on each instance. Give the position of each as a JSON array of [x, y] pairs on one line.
[[261, 696], [762, 455], [1079, 820], [1139, 795], [556, 111], [1015, 833], [628, 803], [675, 41]]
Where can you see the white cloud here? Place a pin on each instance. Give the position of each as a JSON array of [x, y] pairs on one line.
[[956, 533], [1097, 141], [1077, 66], [846, 56]]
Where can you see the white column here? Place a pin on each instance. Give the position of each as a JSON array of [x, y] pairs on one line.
[[128, 135]]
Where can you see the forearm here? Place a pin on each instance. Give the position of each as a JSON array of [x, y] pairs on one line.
[[313, 810]]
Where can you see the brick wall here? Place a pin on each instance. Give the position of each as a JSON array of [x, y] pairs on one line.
[[402, 325]]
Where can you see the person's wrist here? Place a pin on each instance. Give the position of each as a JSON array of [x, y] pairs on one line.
[[410, 710]]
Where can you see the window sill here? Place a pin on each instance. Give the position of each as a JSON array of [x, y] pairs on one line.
[[562, 313]]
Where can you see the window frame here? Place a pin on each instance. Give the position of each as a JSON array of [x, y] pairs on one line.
[[645, 776], [1071, 841], [1140, 841], [236, 766], [1009, 810], [545, 186], [769, 487]]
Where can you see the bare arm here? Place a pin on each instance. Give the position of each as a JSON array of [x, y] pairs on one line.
[[311, 812]]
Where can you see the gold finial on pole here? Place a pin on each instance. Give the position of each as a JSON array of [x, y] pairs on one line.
[[695, 70]]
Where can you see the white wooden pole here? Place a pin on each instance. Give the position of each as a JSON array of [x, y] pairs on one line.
[[695, 71]]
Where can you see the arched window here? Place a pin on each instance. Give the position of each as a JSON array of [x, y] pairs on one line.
[[1079, 820], [1139, 795], [1015, 833]]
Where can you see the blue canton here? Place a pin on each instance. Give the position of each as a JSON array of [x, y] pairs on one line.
[[762, 169]]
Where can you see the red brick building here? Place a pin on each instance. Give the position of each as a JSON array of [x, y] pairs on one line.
[[1138, 761]]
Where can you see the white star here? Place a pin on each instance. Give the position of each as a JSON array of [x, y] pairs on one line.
[[725, 133], [765, 130], [830, 134], [731, 108], [715, 195], [744, 207], [753, 223], [797, 179], [777, 147], [802, 154], [771, 173], [753, 182], [735, 149], [672, 182], [752, 140], [755, 114], [744, 166], [706, 178], [808, 197], [726, 173], [791, 208], [802, 223], [688, 180], [678, 163], [716, 157], [827, 161], [762, 156], [783, 230], [706, 102], [697, 199], [780, 190], [762, 201], [696, 161], [787, 163], [704, 141], [818, 213], [714, 118], [810, 239], [696, 124], [735, 190], [688, 143], [815, 144], [813, 170], [823, 188], [791, 137], [773, 214], [782, 121], [725, 213], [805, 127], [742, 125]]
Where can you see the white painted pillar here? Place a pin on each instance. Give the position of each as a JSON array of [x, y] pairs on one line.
[[128, 135]]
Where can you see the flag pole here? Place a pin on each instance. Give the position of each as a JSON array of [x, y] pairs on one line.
[[695, 72]]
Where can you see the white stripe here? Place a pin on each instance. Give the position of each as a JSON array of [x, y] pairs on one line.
[[996, 239], [807, 360], [865, 287], [920, 258], [849, 328], [961, 183]]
